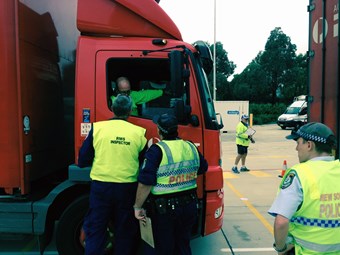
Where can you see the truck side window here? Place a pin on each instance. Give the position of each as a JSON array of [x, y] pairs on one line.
[[149, 81]]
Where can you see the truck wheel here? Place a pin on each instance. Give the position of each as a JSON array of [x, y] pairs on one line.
[[69, 226], [69, 232]]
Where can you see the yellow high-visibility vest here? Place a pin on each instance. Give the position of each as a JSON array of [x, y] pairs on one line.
[[178, 169], [241, 135], [117, 145], [316, 225]]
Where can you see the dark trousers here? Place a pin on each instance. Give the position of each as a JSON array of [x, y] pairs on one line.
[[111, 201], [172, 230]]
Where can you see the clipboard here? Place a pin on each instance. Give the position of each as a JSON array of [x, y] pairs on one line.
[[146, 232], [250, 131]]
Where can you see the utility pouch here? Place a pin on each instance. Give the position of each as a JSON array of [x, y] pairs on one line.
[[160, 204]]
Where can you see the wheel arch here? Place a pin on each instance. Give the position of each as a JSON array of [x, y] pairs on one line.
[[49, 209]]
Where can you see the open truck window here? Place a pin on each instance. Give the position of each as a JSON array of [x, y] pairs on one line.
[[150, 84]]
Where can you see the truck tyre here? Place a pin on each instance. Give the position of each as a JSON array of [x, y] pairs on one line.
[[69, 226]]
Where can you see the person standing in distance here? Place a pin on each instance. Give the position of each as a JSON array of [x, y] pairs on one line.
[[138, 97], [242, 143], [115, 149], [167, 180], [306, 209]]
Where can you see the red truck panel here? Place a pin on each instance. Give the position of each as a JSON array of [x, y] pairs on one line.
[[33, 129], [10, 138], [324, 63], [125, 18]]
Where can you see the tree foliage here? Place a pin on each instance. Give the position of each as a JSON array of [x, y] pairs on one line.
[[277, 60], [224, 69], [276, 74]]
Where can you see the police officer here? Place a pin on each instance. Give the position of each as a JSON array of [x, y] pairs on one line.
[[307, 207], [169, 173], [113, 148]]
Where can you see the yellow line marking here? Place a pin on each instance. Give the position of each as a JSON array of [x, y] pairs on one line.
[[251, 208], [229, 175], [259, 173]]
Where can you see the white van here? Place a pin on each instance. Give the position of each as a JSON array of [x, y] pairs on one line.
[[294, 116]]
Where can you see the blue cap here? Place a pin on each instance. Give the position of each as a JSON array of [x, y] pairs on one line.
[[245, 116]]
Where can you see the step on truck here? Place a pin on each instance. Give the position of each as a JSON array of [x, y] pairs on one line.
[[60, 60]]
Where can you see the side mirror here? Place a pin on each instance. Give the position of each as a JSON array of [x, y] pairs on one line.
[[183, 112], [220, 124], [205, 56], [176, 72]]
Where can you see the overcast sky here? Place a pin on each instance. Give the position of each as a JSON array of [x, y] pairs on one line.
[[242, 26]]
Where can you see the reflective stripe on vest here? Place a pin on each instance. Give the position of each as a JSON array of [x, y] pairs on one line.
[[316, 225], [318, 222], [178, 168], [318, 247]]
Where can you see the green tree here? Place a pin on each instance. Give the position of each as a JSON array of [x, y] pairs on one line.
[[224, 69], [251, 84], [274, 75], [295, 80], [277, 59]]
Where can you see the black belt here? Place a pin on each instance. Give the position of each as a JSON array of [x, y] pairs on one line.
[[164, 204]]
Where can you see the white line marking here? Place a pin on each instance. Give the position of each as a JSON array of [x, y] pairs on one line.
[[29, 253], [247, 249]]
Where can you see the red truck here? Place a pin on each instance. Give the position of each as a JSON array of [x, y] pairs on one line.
[[324, 82], [59, 62]]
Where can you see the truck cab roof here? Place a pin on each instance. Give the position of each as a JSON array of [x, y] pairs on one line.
[[125, 18]]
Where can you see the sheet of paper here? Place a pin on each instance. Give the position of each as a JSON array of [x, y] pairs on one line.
[[250, 131], [146, 232]]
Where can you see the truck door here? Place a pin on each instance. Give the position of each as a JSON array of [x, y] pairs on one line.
[[150, 73]]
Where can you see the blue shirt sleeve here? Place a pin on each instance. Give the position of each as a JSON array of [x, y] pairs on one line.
[[86, 152], [148, 171]]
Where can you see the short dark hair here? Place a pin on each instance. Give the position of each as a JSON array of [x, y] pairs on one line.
[[326, 147], [122, 106]]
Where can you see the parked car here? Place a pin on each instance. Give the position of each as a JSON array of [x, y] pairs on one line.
[[294, 116]]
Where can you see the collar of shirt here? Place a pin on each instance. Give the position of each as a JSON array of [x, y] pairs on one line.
[[324, 158]]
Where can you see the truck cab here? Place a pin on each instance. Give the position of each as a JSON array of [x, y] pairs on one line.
[[161, 61]]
